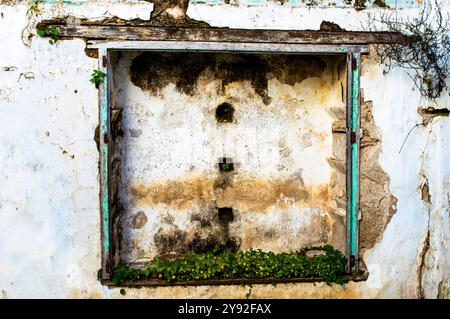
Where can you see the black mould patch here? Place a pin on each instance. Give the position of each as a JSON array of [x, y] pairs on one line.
[[212, 230], [201, 245], [152, 71], [170, 242]]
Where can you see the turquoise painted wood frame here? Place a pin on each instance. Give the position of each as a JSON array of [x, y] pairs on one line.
[[353, 54]]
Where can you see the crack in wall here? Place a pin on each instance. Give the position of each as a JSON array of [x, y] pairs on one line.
[[422, 257]]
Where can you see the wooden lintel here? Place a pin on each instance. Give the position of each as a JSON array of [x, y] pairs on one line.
[[193, 46], [151, 33]]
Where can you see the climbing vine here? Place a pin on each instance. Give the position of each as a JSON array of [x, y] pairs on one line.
[[425, 51], [251, 264]]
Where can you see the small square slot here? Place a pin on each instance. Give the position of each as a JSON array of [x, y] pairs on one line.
[[226, 164], [226, 214]]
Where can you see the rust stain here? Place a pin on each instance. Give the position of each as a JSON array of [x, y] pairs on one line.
[[176, 194], [242, 193]]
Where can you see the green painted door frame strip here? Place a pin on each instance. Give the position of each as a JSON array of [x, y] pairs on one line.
[[353, 156], [352, 125], [104, 118]]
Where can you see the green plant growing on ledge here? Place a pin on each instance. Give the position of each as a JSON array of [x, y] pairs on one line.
[[98, 77], [53, 33], [251, 264], [226, 167]]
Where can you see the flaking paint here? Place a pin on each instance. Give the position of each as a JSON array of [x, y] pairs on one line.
[[54, 220]]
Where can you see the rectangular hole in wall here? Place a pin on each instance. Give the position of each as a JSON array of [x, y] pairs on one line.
[[273, 116]]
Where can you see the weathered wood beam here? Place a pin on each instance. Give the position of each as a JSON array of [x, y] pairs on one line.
[[213, 282], [193, 46], [151, 33]]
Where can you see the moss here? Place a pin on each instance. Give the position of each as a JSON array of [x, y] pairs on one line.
[[251, 264]]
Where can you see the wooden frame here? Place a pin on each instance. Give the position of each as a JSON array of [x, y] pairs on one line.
[[353, 53], [139, 30], [106, 38]]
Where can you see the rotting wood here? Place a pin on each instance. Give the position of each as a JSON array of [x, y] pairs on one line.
[[195, 46], [361, 275], [215, 282], [142, 32]]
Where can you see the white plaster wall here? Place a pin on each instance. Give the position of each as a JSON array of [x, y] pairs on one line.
[[49, 212]]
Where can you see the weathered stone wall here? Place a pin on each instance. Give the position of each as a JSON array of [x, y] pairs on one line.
[[49, 206]]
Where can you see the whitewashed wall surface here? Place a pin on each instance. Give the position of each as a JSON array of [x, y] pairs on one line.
[[49, 194]]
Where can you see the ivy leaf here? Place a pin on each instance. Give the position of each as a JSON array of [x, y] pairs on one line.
[[41, 32], [54, 32]]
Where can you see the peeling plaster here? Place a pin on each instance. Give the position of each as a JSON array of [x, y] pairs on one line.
[[49, 200]]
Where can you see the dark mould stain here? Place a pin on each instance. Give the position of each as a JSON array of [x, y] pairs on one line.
[[199, 244], [360, 4], [170, 242], [135, 132], [208, 232], [152, 71], [330, 26], [203, 219], [116, 123], [139, 220], [212, 230], [381, 3]]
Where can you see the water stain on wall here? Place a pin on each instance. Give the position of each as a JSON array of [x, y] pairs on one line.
[[139, 220], [153, 71], [245, 193]]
